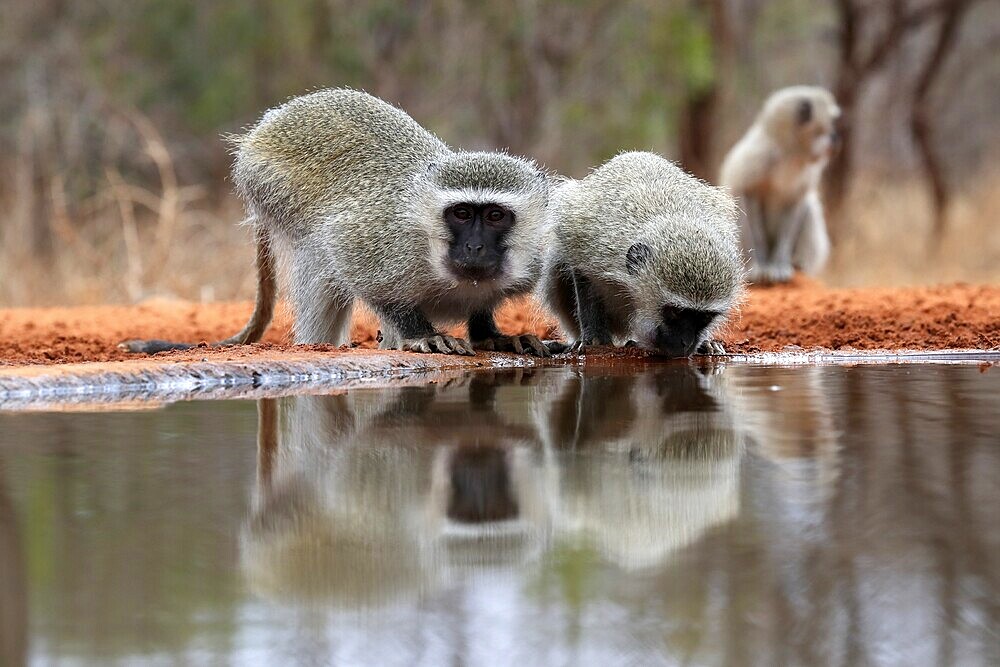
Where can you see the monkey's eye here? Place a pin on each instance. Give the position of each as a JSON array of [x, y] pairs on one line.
[[462, 213], [495, 215]]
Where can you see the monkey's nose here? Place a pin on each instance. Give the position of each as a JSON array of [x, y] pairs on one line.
[[474, 250]]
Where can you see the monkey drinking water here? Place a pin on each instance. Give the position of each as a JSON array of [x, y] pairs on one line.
[[642, 251]]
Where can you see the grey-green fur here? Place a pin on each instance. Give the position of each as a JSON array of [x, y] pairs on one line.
[[640, 197], [350, 191]]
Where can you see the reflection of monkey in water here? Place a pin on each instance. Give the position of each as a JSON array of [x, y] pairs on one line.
[[366, 497], [667, 461], [480, 486]]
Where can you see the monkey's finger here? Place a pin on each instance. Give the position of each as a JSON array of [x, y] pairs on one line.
[[712, 347], [416, 345], [515, 342], [467, 346], [459, 345], [537, 346], [438, 344], [488, 345]]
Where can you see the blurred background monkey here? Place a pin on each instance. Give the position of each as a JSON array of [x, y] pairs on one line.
[[774, 172]]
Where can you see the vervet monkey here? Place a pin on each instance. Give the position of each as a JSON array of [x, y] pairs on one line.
[[774, 172], [642, 251], [352, 200]]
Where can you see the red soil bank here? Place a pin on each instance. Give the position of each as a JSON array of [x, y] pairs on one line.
[[802, 314]]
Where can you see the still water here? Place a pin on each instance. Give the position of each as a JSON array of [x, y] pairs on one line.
[[737, 515]]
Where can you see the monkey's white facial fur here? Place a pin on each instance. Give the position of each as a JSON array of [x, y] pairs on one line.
[[496, 204], [803, 118]]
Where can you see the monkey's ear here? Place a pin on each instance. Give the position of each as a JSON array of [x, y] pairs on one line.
[[804, 113], [638, 254]]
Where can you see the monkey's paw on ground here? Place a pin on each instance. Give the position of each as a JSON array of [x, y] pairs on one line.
[[524, 344], [711, 347], [771, 274], [439, 343]]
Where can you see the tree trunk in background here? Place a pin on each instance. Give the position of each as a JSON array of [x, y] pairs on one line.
[[858, 62], [695, 129], [921, 113], [698, 121]]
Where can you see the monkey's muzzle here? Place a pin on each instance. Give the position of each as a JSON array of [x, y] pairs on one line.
[[476, 271]]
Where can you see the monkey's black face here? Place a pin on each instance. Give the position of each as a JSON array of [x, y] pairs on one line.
[[481, 488], [477, 239], [681, 330]]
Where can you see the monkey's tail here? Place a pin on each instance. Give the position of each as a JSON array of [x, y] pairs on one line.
[[253, 330]]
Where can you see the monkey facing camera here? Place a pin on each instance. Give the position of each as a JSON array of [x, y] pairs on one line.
[[353, 200], [774, 172], [642, 252]]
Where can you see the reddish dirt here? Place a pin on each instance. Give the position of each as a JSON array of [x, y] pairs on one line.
[[802, 314]]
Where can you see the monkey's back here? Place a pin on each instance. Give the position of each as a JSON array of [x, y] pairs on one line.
[[329, 152], [631, 197], [687, 225]]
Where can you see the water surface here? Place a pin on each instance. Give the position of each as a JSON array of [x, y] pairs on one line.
[[725, 516]]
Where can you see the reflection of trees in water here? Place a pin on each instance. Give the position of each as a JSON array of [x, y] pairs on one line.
[[126, 526], [13, 583], [887, 549]]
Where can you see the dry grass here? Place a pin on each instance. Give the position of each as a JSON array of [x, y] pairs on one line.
[[887, 237], [128, 244]]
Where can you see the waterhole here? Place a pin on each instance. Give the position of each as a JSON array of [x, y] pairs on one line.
[[669, 515]]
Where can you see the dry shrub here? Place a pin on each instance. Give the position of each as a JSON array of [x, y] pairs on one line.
[[130, 243]]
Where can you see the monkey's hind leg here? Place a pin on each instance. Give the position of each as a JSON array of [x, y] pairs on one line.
[[812, 248], [324, 319], [322, 312], [406, 328], [484, 335]]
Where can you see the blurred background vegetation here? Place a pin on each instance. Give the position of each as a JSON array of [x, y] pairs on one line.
[[114, 179]]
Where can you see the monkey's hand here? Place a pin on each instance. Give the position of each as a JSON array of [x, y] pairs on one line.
[[524, 344], [558, 346], [578, 347], [440, 343], [711, 347]]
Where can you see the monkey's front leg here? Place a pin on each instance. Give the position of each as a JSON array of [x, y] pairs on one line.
[[485, 335], [414, 333], [591, 313], [780, 269]]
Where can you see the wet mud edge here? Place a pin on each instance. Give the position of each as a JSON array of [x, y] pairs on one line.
[[150, 382]]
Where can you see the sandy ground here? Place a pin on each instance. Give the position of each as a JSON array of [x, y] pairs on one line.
[[803, 315]]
